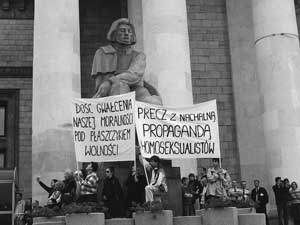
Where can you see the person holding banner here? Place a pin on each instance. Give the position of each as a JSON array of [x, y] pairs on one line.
[[88, 186], [158, 183], [218, 180]]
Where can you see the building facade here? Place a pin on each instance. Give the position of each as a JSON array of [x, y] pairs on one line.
[[242, 53]]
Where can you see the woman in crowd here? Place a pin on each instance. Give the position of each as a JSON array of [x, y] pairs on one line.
[[294, 202], [112, 194]]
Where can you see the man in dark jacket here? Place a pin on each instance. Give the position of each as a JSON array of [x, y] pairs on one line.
[[112, 194], [136, 184], [260, 196], [280, 197], [69, 187], [50, 189]]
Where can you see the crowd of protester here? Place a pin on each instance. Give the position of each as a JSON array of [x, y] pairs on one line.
[[215, 183], [86, 186], [210, 184]]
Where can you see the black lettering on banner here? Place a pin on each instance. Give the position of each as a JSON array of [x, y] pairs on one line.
[[116, 120], [140, 111], [101, 150], [84, 122], [152, 113], [117, 106], [172, 118], [110, 135], [177, 148], [79, 136], [169, 130], [83, 108], [203, 116]]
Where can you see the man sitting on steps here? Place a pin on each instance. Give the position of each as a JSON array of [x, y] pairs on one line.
[[158, 179]]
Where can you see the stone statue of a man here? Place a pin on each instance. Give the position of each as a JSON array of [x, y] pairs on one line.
[[119, 69]]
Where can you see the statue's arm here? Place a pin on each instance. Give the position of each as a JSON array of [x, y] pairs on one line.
[[135, 72], [102, 84]]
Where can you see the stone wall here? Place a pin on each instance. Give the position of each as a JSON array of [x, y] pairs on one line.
[[16, 47], [16, 41], [211, 72], [24, 85]]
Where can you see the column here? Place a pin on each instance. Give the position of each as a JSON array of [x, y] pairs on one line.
[[278, 67], [136, 18], [246, 95], [166, 45], [56, 80]]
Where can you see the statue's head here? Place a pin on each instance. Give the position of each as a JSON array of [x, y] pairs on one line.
[[122, 32]]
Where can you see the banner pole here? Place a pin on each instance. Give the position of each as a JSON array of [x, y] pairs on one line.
[[145, 172], [134, 162], [77, 165]]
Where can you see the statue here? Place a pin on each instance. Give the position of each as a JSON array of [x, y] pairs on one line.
[[118, 69]]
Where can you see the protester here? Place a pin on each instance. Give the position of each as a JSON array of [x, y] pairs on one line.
[[245, 192], [45, 187], [69, 187], [294, 202], [56, 197], [112, 194], [202, 171], [202, 198], [136, 183], [88, 186], [260, 196], [187, 198], [281, 210], [234, 193], [20, 209], [194, 187], [218, 180], [158, 179]]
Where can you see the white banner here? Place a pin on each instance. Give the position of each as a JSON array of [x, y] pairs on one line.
[[190, 132], [104, 128]]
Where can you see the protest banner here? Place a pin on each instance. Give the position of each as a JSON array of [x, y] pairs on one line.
[[190, 132], [104, 128]]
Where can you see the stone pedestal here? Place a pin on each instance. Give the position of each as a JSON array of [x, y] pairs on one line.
[[56, 220], [220, 216], [164, 217], [245, 210], [187, 220], [252, 219], [56, 80], [85, 218], [278, 67], [119, 221]]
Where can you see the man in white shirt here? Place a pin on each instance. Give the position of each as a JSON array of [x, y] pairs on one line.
[[245, 192], [234, 192], [158, 179]]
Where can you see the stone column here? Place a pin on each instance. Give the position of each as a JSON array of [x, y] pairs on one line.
[[278, 67], [166, 45], [56, 80], [246, 95]]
